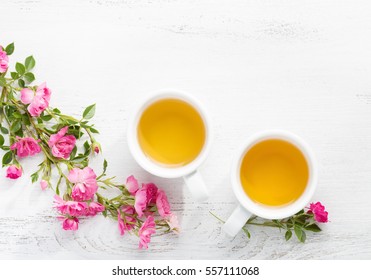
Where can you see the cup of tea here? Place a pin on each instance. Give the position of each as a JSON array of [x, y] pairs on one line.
[[274, 175], [169, 135]]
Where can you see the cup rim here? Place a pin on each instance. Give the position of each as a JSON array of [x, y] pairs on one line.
[[135, 149], [274, 212]]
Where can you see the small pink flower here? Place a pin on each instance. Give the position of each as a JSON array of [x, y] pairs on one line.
[[38, 100], [85, 183], [4, 59], [43, 184], [71, 208], [319, 213], [26, 146], [62, 145], [94, 208], [132, 185], [151, 191], [96, 147], [71, 224], [173, 223], [125, 219], [140, 201], [13, 172], [147, 229], [162, 203]]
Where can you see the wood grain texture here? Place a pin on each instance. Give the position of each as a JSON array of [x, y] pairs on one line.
[[304, 66]]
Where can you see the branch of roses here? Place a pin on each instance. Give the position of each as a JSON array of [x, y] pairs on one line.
[[299, 223], [35, 127]]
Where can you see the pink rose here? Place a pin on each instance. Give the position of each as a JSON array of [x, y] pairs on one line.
[[26, 146], [147, 229], [4, 59], [132, 185], [38, 100], [151, 191], [85, 183], [319, 213], [13, 172], [71, 208], [43, 184], [162, 204], [71, 223], [94, 208], [173, 223], [61, 145], [125, 219], [140, 201]]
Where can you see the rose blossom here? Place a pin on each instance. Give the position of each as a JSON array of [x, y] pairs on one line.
[[94, 208], [71, 223], [26, 146], [151, 192], [62, 145], [132, 185], [13, 172], [140, 202], [4, 59], [147, 229], [85, 183], [38, 100], [43, 184], [319, 213], [72, 208], [162, 204], [125, 219]]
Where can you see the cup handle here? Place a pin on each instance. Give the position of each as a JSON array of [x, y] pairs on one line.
[[236, 221], [196, 186]]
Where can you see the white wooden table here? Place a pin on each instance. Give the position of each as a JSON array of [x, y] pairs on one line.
[[304, 66]]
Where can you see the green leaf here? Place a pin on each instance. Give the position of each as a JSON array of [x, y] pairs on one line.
[[105, 164], [2, 81], [57, 111], [29, 77], [93, 130], [14, 75], [89, 112], [34, 177], [73, 153], [9, 49], [288, 235], [298, 232], [246, 232], [303, 236], [46, 118], [7, 158], [1, 140], [15, 126], [313, 227], [17, 115], [4, 130], [21, 83], [30, 63], [20, 68]]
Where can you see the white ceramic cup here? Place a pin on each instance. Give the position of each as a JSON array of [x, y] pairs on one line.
[[248, 207], [189, 171]]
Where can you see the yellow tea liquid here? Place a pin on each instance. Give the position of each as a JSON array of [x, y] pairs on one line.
[[171, 132], [274, 173]]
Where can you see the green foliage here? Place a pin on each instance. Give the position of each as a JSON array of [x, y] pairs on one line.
[[30, 63], [9, 49], [89, 112]]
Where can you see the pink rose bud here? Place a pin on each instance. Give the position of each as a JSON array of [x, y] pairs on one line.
[[13, 172], [132, 185], [71, 224], [44, 185], [146, 230], [162, 203]]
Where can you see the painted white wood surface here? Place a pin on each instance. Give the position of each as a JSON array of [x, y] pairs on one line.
[[304, 66]]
